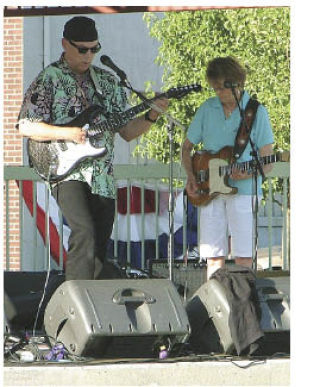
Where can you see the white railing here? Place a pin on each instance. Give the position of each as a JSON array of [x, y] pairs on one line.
[[273, 220]]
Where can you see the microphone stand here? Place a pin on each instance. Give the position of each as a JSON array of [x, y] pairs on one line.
[[170, 126], [256, 166]]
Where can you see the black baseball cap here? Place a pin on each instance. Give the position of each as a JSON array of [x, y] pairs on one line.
[[80, 29]]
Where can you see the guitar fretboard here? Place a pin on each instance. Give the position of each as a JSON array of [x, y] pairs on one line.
[[117, 120], [247, 166]]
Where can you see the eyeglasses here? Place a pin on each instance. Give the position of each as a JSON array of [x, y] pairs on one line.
[[218, 89], [84, 50]]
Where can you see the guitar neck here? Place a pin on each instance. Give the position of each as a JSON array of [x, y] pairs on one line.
[[116, 120], [247, 166]]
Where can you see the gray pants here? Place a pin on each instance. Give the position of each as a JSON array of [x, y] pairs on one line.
[[90, 218]]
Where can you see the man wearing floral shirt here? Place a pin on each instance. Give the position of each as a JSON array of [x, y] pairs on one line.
[[60, 93]]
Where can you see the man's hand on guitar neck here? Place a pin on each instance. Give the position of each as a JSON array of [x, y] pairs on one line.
[[140, 125]]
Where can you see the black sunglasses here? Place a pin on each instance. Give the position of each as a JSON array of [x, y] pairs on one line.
[[84, 50]]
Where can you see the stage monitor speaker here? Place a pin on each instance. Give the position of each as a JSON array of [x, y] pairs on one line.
[[23, 291], [274, 298], [117, 318], [209, 311]]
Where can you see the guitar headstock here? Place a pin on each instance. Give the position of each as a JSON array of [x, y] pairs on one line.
[[181, 91]]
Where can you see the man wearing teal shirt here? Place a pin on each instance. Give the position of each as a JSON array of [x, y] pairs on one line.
[[59, 94], [215, 125]]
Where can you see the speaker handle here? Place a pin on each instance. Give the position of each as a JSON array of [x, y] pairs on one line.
[[132, 296]]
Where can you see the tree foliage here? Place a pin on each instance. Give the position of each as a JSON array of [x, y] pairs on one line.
[[258, 37]]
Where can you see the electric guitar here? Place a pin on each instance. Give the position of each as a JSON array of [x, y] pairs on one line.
[[212, 172], [54, 160]]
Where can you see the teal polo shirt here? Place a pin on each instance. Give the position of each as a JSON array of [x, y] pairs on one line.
[[210, 127]]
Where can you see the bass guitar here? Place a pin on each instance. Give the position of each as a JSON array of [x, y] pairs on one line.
[[213, 169], [55, 160]]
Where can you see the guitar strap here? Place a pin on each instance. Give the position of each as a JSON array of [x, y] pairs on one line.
[[245, 128]]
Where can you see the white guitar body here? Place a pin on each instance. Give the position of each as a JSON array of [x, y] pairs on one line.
[[212, 172], [217, 183], [72, 154]]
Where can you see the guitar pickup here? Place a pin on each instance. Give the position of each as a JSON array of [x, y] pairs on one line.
[[203, 191], [202, 176]]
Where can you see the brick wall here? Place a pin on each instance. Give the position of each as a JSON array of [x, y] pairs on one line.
[[12, 142]]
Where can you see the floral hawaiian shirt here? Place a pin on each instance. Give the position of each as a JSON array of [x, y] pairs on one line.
[[58, 96]]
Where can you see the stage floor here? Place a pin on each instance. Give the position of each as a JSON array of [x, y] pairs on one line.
[[195, 371]]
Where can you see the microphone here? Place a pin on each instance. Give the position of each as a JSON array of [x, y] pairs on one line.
[[230, 85], [106, 60]]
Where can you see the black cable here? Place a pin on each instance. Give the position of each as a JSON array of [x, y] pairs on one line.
[[48, 257], [11, 352], [252, 363], [23, 343]]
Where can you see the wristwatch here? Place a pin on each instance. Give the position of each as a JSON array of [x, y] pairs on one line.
[[147, 117]]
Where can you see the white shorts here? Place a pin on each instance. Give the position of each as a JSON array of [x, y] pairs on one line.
[[223, 216]]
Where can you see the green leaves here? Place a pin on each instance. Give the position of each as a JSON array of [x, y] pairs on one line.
[[258, 37]]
